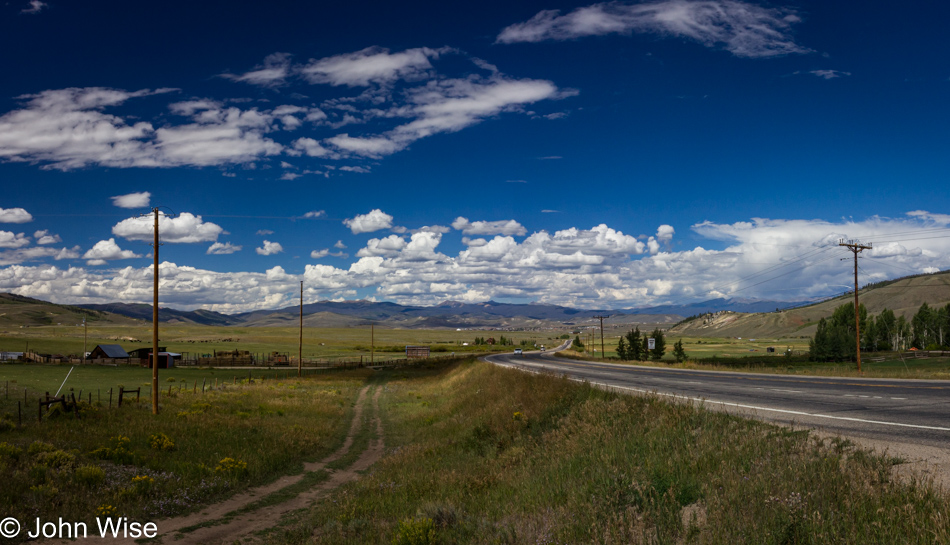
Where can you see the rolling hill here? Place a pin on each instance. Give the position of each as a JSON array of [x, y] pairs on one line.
[[903, 296], [19, 311]]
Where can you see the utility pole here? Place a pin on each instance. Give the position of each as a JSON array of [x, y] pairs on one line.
[[856, 247], [84, 339], [300, 342], [372, 343], [602, 354], [155, 321]]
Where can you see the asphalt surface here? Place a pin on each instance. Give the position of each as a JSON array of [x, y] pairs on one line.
[[912, 412]]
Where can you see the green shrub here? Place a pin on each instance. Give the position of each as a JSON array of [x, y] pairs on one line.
[[10, 451], [57, 459], [118, 450], [160, 441], [89, 475], [230, 465], [416, 531], [37, 447]]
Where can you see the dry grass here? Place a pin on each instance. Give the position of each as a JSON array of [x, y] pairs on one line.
[[200, 448], [480, 454]]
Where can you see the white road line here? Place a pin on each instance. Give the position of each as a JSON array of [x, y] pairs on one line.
[[753, 407], [788, 391], [784, 411]]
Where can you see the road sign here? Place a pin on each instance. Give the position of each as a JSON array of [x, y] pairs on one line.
[[651, 343]]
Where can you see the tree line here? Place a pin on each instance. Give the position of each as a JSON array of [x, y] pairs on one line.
[[835, 339], [635, 346]]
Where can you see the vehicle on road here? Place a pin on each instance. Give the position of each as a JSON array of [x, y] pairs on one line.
[[518, 352]]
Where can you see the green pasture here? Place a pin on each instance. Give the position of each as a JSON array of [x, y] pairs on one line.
[[90, 378], [760, 360], [317, 342], [708, 347]]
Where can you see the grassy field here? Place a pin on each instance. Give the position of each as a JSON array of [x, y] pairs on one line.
[[474, 454], [97, 380], [754, 350], [317, 342], [707, 347], [201, 447], [481, 454]]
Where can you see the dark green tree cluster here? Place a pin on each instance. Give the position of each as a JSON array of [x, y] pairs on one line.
[[931, 327], [634, 346], [577, 343], [835, 339]]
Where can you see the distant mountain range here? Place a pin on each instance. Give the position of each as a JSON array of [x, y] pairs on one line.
[[25, 311], [446, 314]]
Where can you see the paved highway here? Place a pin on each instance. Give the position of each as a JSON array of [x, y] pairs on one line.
[[903, 411]]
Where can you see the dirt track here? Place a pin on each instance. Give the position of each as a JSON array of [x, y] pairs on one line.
[[216, 526]]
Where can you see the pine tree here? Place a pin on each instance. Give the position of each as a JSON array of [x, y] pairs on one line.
[[622, 350], [659, 345], [634, 346], [678, 351], [577, 342]]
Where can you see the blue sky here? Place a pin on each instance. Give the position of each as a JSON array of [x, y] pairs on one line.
[[599, 155]]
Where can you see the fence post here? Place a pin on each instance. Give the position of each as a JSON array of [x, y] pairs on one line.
[[39, 410], [19, 415]]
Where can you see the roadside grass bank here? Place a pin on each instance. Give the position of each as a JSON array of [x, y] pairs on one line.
[[482, 454], [199, 449], [892, 367]]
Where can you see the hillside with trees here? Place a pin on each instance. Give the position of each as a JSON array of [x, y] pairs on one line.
[[903, 297]]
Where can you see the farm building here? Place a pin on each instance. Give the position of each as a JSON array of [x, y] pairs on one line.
[[166, 360], [143, 353], [108, 351], [417, 352]]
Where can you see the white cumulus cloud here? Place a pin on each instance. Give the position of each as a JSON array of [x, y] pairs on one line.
[[185, 228], [269, 248], [15, 215], [13, 240], [375, 220], [388, 246], [132, 200], [107, 250], [503, 227], [45, 237], [225, 248]]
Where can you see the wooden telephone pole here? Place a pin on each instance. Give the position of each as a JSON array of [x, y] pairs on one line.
[[300, 341], [602, 354], [856, 247], [155, 321]]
